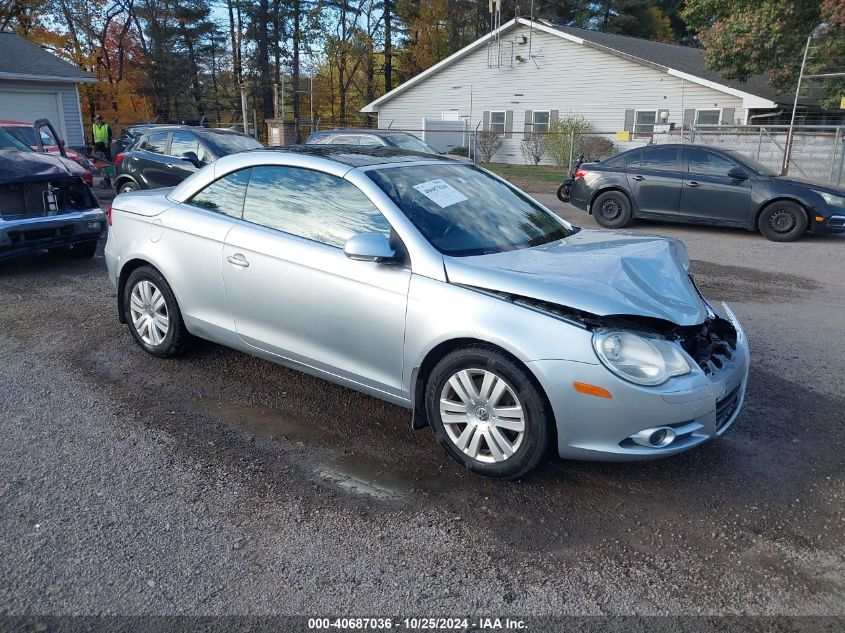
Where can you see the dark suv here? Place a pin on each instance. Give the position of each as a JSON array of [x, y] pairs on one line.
[[164, 157]]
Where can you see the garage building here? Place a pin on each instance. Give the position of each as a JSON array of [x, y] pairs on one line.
[[35, 84]]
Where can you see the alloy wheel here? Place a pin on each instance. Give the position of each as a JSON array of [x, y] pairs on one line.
[[149, 313], [482, 415]]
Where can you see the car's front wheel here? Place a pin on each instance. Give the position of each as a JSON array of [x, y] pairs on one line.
[[152, 313], [488, 414], [782, 221], [612, 209]]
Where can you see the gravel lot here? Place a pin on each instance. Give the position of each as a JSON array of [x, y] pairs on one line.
[[222, 484]]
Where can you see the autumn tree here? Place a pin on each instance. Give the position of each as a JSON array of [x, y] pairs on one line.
[[744, 38]]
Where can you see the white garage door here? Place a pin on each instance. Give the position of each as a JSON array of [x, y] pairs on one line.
[[29, 106]]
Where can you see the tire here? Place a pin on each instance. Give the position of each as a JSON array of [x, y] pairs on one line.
[[782, 221], [127, 187], [149, 304], [563, 193], [492, 445], [80, 250], [612, 209]]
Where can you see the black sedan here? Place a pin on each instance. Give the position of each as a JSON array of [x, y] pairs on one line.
[[705, 185], [164, 157]]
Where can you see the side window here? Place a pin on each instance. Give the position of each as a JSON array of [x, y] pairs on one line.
[[703, 162], [310, 204], [184, 142], [155, 143], [634, 160], [369, 141], [663, 158], [345, 139], [225, 195]]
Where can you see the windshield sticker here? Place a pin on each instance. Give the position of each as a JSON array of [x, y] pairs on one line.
[[440, 192]]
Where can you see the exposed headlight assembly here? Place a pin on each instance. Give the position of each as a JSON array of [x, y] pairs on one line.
[[638, 358], [832, 200]]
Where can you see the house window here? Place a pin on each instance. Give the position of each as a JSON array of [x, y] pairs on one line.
[[708, 117], [644, 122], [541, 121], [497, 122]]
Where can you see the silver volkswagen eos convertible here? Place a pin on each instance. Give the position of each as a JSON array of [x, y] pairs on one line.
[[437, 286]]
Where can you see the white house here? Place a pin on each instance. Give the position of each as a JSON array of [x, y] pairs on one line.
[[35, 84], [525, 75]]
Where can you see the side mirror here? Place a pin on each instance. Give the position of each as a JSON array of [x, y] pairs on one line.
[[368, 247], [737, 173], [192, 158]]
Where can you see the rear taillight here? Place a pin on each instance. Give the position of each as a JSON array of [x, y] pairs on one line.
[[580, 173], [117, 160], [108, 215]]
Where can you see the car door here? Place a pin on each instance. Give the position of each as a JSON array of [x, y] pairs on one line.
[[147, 161], [655, 179], [295, 294], [181, 142], [195, 230], [709, 193]]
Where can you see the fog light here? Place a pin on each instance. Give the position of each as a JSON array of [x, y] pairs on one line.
[[658, 437], [94, 226]]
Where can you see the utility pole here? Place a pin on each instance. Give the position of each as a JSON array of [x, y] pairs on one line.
[[787, 152], [243, 109]]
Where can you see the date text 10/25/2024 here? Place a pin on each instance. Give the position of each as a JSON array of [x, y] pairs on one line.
[[417, 624]]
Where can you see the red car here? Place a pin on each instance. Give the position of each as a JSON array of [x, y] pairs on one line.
[[42, 138]]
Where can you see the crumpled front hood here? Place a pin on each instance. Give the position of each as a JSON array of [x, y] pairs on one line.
[[600, 272], [18, 166]]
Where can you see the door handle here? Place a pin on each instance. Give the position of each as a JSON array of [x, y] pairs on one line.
[[638, 178], [693, 184], [238, 260], [169, 165]]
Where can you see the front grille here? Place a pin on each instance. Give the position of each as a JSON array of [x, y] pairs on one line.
[[726, 407], [837, 221], [35, 235]]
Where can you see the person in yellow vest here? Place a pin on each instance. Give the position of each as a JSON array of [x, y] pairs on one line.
[[101, 131]]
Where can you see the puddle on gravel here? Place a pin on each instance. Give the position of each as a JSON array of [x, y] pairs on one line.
[[264, 422], [378, 479]]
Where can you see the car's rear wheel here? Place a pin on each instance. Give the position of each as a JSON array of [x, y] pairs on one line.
[[612, 209], [152, 313], [487, 413], [782, 221], [126, 187]]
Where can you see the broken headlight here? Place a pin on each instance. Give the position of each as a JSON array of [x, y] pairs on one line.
[[638, 358]]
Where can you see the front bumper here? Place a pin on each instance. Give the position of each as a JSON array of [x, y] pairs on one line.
[[21, 236], [833, 224], [698, 407]]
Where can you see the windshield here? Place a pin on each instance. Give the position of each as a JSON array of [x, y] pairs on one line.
[[461, 210], [759, 168], [407, 141], [224, 144], [7, 141], [25, 135]]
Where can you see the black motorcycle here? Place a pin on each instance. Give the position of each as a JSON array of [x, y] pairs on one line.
[[563, 190]]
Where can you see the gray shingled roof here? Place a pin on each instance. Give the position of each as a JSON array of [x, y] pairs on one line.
[[683, 58], [19, 56]]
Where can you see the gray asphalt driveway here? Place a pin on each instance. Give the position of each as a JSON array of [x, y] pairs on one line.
[[222, 484]]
